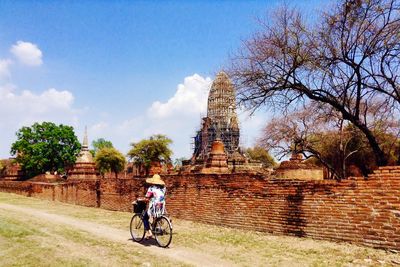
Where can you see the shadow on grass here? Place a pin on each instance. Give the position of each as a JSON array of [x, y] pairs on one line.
[[146, 242]]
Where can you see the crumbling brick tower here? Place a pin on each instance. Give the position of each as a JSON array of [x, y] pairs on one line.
[[221, 121]]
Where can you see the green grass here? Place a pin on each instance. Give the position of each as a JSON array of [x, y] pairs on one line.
[[28, 241], [12, 229], [21, 245], [37, 241], [250, 248]]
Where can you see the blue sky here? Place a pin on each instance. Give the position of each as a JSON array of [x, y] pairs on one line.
[[126, 69]]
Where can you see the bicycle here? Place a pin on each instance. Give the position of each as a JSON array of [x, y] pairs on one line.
[[161, 225]]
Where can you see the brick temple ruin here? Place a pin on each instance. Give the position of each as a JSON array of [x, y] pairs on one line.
[[217, 143], [221, 121]]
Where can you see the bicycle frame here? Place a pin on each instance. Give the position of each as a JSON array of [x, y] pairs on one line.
[[160, 225]]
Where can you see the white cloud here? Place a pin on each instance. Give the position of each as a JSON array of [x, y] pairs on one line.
[[131, 123], [99, 127], [30, 104], [190, 98], [25, 108], [180, 116], [251, 126], [27, 53], [4, 68]]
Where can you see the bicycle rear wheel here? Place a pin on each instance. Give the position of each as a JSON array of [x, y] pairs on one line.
[[163, 231], [137, 228]]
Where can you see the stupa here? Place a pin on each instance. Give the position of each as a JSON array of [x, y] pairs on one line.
[[297, 168], [85, 167], [217, 159]]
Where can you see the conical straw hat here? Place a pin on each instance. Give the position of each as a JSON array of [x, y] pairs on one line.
[[156, 179]]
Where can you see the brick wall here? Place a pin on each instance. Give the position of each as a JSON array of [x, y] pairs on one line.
[[118, 194], [21, 188], [77, 192], [357, 210]]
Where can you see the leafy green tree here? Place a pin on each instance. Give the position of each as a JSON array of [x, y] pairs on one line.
[[110, 159], [148, 151], [99, 144], [45, 147], [261, 154]]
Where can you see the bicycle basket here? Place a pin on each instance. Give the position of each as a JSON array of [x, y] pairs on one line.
[[139, 206]]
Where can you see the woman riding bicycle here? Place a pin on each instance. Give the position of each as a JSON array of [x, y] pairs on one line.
[[156, 197]]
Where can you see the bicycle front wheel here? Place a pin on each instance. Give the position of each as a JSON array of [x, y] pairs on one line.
[[137, 228], [163, 231]]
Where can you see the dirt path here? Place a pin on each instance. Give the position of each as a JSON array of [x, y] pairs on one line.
[[181, 254]]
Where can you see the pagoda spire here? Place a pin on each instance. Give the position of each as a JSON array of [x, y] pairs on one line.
[[85, 144], [221, 106], [85, 167], [85, 155]]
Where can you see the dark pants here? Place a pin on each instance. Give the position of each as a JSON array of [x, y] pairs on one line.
[[146, 221]]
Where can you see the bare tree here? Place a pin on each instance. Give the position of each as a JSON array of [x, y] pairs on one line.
[[347, 61], [313, 133], [321, 133]]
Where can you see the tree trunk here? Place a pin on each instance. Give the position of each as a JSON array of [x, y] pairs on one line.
[[380, 157]]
